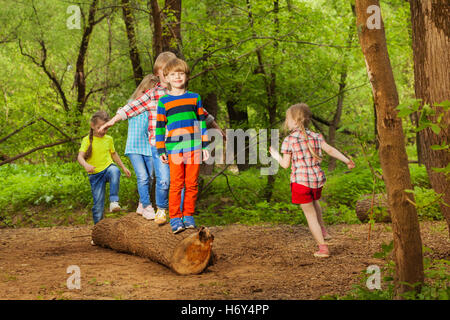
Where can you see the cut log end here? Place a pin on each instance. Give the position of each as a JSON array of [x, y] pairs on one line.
[[193, 253], [188, 252]]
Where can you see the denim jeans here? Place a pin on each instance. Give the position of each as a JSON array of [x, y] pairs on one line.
[[143, 167], [162, 173], [98, 185]]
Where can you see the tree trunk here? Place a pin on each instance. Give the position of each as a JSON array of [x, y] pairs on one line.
[[132, 43], [337, 117], [171, 38], [211, 105], [431, 47], [340, 102], [188, 252], [393, 157], [80, 76], [157, 27], [237, 119]]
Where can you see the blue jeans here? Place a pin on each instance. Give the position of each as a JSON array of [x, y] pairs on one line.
[[98, 185], [143, 167], [162, 173]]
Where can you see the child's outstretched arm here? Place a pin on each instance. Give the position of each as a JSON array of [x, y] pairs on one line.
[[110, 123], [284, 161], [116, 158], [338, 155], [146, 102], [89, 168]]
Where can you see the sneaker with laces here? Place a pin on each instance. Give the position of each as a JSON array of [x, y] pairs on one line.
[[140, 209], [148, 213], [114, 206], [176, 225], [189, 222], [160, 216], [323, 251]]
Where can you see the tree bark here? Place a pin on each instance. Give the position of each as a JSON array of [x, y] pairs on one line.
[[381, 211], [431, 47], [337, 116], [132, 43], [211, 104], [188, 252], [157, 27], [393, 157], [171, 37]]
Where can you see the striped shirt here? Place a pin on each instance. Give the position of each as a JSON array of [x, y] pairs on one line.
[[149, 102], [137, 139], [305, 168], [184, 119]]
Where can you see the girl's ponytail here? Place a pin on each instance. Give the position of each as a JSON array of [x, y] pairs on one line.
[[310, 148], [147, 83], [301, 115], [88, 153]]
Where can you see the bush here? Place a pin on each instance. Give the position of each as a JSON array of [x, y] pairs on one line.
[[59, 186]]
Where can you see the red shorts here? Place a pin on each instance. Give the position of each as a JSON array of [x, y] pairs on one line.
[[302, 194]]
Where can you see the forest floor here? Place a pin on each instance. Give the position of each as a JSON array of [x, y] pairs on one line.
[[254, 262]]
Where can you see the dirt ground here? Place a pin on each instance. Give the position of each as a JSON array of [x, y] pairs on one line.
[[254, 262]]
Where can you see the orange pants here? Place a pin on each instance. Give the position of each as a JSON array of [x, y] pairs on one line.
[[184, 171]]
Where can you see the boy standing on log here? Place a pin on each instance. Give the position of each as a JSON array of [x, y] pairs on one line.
[[181, 112], [148, 101]]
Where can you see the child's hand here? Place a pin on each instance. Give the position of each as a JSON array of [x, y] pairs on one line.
[[163, 158], [127, 172], [89, 168], [106, 126], [275, 154], [350, 164], [205, 154]]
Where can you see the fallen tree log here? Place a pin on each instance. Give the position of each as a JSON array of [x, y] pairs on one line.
[[188, 252], [380, 208]]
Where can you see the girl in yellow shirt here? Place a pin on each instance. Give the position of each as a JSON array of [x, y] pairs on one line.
[[97, 155]]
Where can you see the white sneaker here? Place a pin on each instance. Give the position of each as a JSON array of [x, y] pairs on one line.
[[92, 243], [114, 207], [161, 216], [140, 209], [148, 213]]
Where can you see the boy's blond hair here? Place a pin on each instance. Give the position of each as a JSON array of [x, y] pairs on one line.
[[162, 59], [301, 115], [176, 65], [148, 82]]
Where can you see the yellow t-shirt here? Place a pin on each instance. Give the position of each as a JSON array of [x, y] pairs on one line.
[[102, 148]]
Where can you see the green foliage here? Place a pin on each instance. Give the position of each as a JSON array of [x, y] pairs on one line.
[[345, 187], [48, 195], [427, 203]]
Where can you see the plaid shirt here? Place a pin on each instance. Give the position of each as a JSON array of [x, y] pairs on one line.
[[149, 102], [305, 169], [137, 139]]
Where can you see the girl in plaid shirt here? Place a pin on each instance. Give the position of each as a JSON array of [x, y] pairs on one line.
[[138, 150], [304, 148]]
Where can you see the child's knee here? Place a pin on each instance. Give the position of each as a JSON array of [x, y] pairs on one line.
[[164, 184], [114, 172], [143, 178]]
